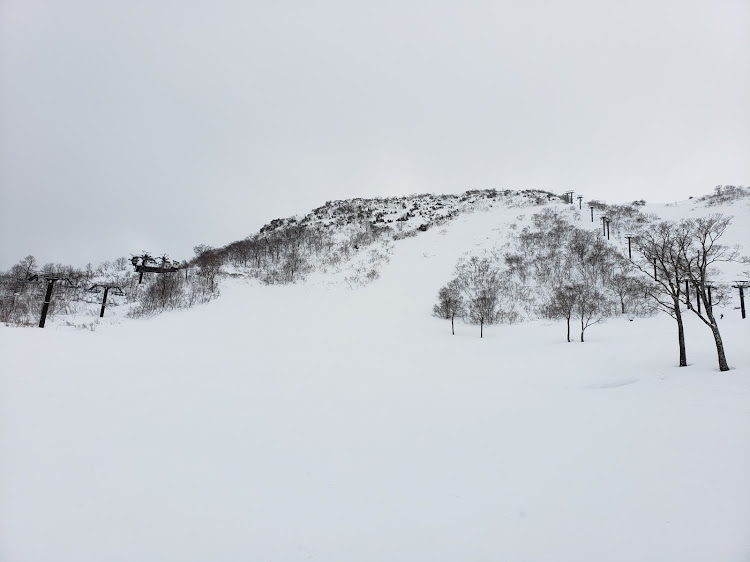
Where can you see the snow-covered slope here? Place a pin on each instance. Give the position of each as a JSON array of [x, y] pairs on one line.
[[316, 422]]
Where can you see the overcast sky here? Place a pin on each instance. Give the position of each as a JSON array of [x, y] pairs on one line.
[[159, 125]]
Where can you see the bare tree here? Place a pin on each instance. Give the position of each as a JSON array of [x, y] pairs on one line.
[[479, 279], [624, 285], [450, 302], [562, 303], [164, 293], [580, 300], [209, 264], [294, 262], [660, 247], [591, 307], [240, 252], [591, 257], [699, 252], [483, 307], [25, 268]]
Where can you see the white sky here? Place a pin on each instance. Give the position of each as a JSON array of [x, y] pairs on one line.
[[159, 125]]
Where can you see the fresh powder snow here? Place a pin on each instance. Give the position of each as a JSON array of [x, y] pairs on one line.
[[322, 421]]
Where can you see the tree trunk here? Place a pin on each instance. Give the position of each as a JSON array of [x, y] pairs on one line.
[[453, 331], [680, 329], [568, 321], [481, 327], [583, 328], [681, 340], [723, 366]]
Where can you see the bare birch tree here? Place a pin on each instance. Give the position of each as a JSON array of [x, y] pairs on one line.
[[450, 302], [562, 303], [699, 252], [660, 249]]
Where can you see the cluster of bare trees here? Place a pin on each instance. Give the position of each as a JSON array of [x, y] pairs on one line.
[[590, 281], [17, 294], [274, 256], [580, 275], [285, 251], [182, 285], [621, 219], [554, 270], [558, 270], [678, 262], [473, 293], [724, 194], [481, 293]]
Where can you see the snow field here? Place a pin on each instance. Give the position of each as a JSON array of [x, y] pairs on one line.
[[314, 422]]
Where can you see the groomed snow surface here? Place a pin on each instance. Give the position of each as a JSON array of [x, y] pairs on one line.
[[316, 422]]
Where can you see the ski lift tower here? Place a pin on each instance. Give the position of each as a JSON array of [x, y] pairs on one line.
[[116, 290], [51, 279], [145, 259], [629, 236], [742, 285]]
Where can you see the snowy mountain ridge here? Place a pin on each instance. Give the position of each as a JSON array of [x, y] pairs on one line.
[[349, 241]]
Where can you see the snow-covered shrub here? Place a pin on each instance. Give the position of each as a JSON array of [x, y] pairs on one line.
[[724, 194]]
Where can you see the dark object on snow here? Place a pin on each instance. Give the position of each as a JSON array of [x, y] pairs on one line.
[[143, 267], [742, 285]]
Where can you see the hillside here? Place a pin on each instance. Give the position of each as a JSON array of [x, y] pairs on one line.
[[352, 236], [350, 241], [335, 418]]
